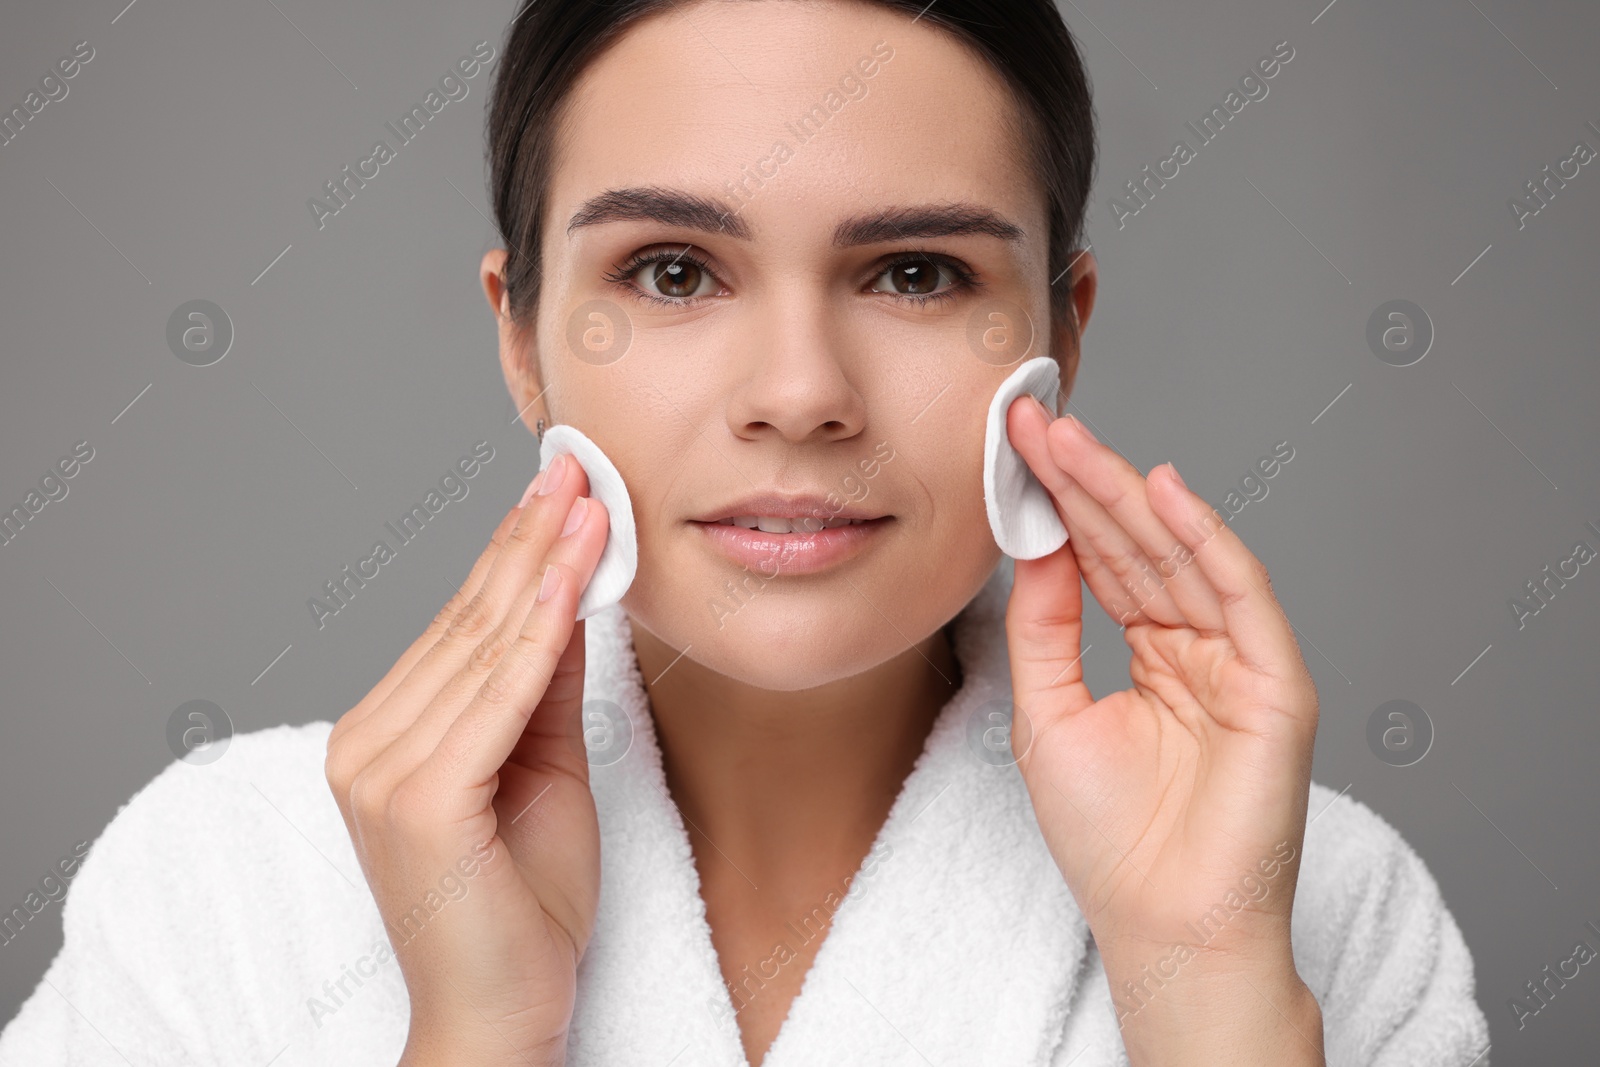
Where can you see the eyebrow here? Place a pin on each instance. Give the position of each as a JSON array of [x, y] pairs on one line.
[[673, 207]]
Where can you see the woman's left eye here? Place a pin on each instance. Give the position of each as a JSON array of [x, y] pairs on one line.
[[678, 278], [918, 278]]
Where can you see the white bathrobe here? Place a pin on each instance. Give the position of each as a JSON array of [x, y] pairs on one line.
[[222, 918]]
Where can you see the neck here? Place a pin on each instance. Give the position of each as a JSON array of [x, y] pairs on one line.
[[778, 781]]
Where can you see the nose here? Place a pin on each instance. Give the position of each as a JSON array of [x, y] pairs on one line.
[[798, 386]]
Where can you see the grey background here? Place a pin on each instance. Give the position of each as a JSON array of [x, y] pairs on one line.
[[1230, 318]]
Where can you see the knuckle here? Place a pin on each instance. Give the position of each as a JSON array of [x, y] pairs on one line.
[[369, 799], [447, 614], [497, 689], [471, 621], [337, 770], [1116, 491], [410, 804], [488, 652], [531, 648], [1232, 596], [1124, 561], [524, 536], [508, 684], [340, 728], [497, 543], [469, 589]]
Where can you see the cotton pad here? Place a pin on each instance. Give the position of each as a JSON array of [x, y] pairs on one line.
[[619, 560], [1022, 515]]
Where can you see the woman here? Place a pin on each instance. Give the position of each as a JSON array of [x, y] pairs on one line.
[[827, 787]]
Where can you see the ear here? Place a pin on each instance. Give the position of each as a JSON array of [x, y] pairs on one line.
[[518, 359], [1067, 334]]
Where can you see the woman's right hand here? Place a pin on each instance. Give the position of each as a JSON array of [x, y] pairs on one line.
[[464, 783]]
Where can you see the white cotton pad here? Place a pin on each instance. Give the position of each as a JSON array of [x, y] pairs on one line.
[[619, 560], [1022, 515]]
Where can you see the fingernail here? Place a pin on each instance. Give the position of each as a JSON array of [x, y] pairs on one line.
[[1082, 427], [551, 582], [554, 475], [527, 494], [1046, 412], [580, 507], [1176, 475]]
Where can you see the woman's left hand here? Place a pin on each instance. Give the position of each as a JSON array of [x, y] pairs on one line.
[[1166, 804]]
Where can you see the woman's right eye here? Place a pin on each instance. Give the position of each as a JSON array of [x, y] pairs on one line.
[[668, 277]]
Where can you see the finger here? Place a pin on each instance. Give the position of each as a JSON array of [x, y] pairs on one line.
[[516, 566], [555, 732], [578, 550], [479, 740], [1044, 633], [1255, 622], [1106, 550], [1123, 494], [430, 636], [548, 767]]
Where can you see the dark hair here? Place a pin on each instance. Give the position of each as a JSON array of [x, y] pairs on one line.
[[550, 42]]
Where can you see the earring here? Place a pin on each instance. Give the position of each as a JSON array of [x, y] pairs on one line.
[[539, 429]]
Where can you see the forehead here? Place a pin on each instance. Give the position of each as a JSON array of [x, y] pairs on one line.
[[796, 112]]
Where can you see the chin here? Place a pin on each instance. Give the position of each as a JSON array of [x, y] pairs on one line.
[[793, 633], [790, 643]]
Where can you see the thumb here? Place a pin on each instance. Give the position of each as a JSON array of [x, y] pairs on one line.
[[1044, 635]]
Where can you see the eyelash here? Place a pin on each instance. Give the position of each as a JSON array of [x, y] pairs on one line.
[[965, 280]]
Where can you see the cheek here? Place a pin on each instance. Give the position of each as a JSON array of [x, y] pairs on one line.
[[652, 445], [950, 551]]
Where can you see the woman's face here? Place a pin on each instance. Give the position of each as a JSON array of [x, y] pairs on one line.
[[776, 241]]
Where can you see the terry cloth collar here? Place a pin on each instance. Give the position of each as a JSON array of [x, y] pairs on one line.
[[962, 943]]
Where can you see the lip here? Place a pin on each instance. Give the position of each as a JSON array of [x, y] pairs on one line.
[[799, 552], [785, 506], [772, 555]]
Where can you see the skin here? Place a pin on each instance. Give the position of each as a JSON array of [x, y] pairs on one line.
[[788, 726]]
